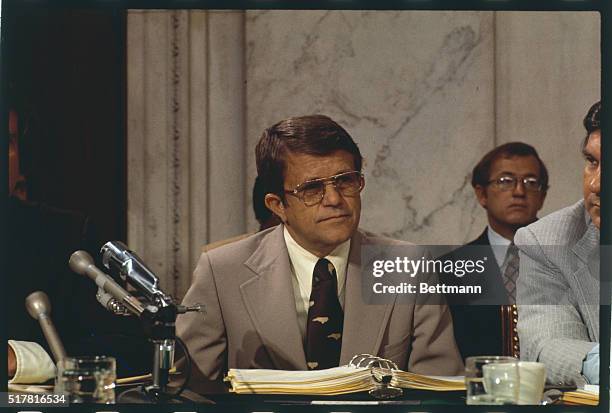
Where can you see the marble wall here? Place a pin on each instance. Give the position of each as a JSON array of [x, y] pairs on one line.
[[424, 94], [413, 88]]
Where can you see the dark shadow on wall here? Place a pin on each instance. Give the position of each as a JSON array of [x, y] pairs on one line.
[[66, 82]]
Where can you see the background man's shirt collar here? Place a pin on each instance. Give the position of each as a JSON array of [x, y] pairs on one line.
[[499, 245]]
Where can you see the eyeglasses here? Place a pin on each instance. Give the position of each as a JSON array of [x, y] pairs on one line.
[[508, 183], [312, 192]]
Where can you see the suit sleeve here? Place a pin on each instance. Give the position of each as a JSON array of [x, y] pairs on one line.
[[33, 363], [434, 350], [204, 332], [549, 333]]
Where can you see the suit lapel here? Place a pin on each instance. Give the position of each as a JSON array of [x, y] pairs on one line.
[[493, 283], [483, 239], [587, 246], [586, 277], [364, 325], [270, 301]]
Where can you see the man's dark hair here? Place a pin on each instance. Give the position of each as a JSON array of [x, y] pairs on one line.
[[591, 121], [313, 135], [262, 213], [264, 216], [482, 170]]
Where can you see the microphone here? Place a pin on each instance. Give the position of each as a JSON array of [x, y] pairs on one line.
[[110, 303], [117, 257], [82, 263], [39, 308]]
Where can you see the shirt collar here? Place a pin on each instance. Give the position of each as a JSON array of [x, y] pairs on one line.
[[499, 245], [303, 261], [495, 238]]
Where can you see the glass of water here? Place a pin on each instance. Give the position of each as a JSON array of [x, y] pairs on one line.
[[87, 379], [491, 380]]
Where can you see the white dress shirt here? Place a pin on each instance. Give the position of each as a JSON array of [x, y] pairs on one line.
[[499, 245], [302, 266], [33, 363]]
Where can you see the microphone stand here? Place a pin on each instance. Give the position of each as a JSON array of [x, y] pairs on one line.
[[159, 325], [157, 314]]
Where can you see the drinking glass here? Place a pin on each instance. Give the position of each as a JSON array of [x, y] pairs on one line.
[[491, 380], [87, 379]]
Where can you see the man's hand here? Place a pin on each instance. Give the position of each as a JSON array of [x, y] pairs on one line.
[[590, 366], [12, 362]]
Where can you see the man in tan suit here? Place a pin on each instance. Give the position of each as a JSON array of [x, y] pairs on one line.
[[290, 297]]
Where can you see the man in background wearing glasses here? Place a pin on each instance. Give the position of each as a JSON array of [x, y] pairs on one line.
[[290, 297], [510, 183], [558, 288]]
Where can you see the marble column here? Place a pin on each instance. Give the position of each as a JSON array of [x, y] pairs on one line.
[[185, 137]]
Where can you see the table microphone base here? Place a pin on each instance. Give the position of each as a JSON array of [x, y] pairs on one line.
[[139, 396]]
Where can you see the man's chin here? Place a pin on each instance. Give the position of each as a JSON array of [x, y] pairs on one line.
[[519, 221], [337, 230], [333, 238]]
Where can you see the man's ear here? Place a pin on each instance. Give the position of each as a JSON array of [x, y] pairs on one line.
[[481, 195], [275, 204]]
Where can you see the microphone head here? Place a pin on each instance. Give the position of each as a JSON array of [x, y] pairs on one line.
[[80, 261], [37, 304]]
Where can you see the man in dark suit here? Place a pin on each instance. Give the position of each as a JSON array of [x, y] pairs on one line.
[[510, 183]]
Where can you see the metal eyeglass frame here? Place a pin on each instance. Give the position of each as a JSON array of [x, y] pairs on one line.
[[332, 180], [516, 180]]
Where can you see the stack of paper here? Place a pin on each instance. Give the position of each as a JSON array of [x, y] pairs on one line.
[[334, 381], [589, 396], [407, 380], [331, 382]]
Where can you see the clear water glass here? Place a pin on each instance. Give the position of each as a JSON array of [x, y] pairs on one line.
[[491, 380], [87, 379]]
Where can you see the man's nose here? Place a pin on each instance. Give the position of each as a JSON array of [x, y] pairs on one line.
[[519, 188], [331, 196]]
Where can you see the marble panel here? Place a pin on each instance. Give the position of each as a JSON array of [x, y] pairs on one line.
[[548, 76], [415, 89]]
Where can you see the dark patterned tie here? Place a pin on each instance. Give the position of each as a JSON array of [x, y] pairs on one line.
[[325, 319], [511, 272]]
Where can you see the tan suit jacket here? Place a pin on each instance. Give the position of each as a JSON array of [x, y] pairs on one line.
[[250, 318]]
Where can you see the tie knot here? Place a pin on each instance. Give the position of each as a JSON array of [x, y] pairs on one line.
[[324, 270], [512, 252]]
